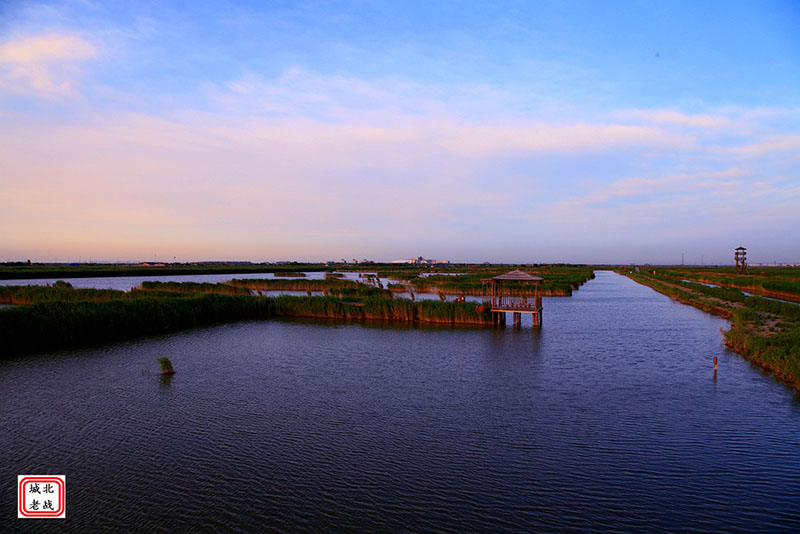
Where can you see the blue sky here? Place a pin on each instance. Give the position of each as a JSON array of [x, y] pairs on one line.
[[497, 131]]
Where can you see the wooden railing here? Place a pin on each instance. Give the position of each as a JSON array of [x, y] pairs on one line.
[[515, 303]]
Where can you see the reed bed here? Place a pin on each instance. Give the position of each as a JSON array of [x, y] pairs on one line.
[[556, 283], [195, 287], [360, 292], [52, 324], [48, 325], [64, 292], [351, 290], [59, 292], [295, 285]]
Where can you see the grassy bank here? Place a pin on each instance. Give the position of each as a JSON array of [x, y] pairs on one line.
[[194, 287], [330, 286], [559, 280], [303, 284], [54, 321], [766, 332], [64, 292], [775, 282]]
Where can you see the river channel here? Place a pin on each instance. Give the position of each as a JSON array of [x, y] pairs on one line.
[[607, 419]]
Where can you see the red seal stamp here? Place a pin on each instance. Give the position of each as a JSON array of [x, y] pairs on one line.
[[41, 496]]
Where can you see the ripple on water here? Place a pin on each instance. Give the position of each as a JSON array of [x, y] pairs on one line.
[[605, 420]]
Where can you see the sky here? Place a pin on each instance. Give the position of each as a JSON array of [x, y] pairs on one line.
[[502, 131]]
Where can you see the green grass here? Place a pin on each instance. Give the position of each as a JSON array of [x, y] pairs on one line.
[[195, 287], [64, 292], [558, 280], [780, 282], [51, 324], [295, 285]]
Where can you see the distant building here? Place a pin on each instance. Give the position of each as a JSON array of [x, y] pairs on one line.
[[419, 260]]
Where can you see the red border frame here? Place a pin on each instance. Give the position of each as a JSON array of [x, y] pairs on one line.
[[21, 497]]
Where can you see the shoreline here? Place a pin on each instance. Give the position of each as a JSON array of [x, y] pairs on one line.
[[746, 335], [60, 324]]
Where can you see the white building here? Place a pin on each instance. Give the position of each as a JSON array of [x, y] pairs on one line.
[[419, 260]]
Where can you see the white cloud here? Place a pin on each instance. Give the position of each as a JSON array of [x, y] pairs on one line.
[[44, 65]]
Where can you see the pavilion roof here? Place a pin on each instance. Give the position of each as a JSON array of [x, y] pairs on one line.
[[518, 276]]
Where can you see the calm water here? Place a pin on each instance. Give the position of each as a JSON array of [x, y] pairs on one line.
[[608, 419], [126, 283]]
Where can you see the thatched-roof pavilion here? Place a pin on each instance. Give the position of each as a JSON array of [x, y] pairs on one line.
[[497, 294]]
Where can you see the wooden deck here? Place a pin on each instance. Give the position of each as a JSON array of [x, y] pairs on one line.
[[516, 306]]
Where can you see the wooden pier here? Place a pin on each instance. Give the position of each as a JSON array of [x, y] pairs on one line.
[[497, 296]]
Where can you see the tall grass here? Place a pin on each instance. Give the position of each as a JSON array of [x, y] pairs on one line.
[[53, 324], [58, 293], [195, 287], [295, 285], [553, 284], [64, 292]]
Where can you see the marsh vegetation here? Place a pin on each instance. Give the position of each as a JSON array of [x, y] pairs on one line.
[[59, 317]]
